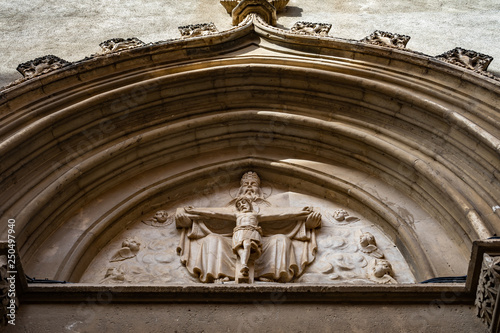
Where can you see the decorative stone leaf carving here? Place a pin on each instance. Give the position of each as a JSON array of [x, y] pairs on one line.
[[466, 58], [387, 39], [196, 30], [313, 29], [130, 248], [487, 290], [119, 44], [41, 66]]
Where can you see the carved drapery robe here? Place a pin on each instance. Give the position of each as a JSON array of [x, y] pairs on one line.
[[288, 246]]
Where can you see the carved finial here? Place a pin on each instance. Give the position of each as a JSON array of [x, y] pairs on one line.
[[119, 44], [229, 5], [466, 58], [41, 66], [308, 28], [196, 30], [387, 39], [240, 9]]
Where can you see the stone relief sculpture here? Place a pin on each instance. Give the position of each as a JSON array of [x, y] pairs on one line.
[[466, 58], [341, 215], [119, 44], [159, 220], [247, 242], [130, 247], [313, 29], [368, 245], [247, 235], [387, 39], [382, 272], [114, 275], [41, 65], [487, 290], [196, 30]]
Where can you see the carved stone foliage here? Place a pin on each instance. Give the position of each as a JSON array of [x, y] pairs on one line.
[[387, 39], [41, 66], [313, 29], [196, 30], [487, 291], [119, 44], [466, 58]]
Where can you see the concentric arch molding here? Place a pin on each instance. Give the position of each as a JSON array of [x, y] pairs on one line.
[[258, 97]]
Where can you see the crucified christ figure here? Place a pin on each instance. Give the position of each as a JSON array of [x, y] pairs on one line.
[[247, 235]]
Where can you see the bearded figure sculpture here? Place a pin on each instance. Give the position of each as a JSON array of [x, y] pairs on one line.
[[248, 240]]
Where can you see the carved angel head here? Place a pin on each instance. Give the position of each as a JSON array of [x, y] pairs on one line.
[[340, 215], [382, 267], [132, 243], [161, 216], [367, 239]]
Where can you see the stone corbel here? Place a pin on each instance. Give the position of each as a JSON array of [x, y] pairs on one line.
[[387, 39], [41, 65]]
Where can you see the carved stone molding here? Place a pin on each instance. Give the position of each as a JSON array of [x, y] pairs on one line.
[[41, 65], [469, 59], [387, 39], [487, 290], [196, 30], [313, 29], [119, 44]]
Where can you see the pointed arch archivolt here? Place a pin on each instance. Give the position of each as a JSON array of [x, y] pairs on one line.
[[74, 137]]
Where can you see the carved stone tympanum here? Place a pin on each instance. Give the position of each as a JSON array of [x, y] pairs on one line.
[[249, 240], [41, 66], [387, 39], [312, 29]]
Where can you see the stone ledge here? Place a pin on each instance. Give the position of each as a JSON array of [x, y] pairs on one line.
[[411, 293]]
